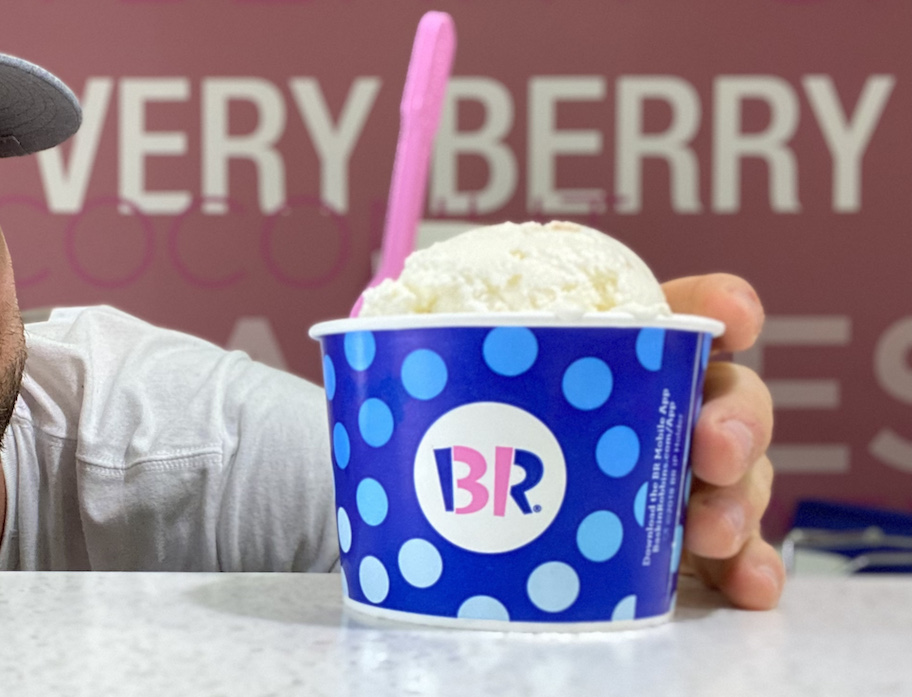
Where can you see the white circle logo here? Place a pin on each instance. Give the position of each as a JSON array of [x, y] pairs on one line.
[[489, 477]]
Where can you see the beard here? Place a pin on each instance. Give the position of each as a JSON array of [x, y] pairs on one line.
[[12, 365]]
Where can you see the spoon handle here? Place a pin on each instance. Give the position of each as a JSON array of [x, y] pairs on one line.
[[419, 112]]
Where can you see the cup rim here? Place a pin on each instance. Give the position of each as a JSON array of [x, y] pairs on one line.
[[603, 320]]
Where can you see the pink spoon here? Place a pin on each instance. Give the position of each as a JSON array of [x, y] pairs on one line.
[[419, 114]]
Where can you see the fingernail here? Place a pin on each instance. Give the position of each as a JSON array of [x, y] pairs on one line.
[[754, 306], [772, 574], [733, 514], [743, 438], [750, 298]]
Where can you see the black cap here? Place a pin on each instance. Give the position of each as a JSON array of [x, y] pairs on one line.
[[37, 111]]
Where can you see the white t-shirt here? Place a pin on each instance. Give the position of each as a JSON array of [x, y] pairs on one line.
[[139, 448]]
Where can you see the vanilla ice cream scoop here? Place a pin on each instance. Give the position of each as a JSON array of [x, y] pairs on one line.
[[558, 267]]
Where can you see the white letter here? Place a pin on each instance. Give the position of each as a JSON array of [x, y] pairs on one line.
[[65, 190], [334, 145], [895, 377], [485, 142], [731, 144], [546, 143], [847, 141], [258, 146], [136, 143], [814, 330], [633, 145]]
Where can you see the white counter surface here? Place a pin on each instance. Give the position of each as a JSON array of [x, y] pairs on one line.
[[189, 635]]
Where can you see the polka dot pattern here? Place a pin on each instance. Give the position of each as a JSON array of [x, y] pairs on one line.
[[483, 607], [329, 377], [599, 536], [553, 586], [625, 609], [375, 422], [374, 579], [341, 445], [343, 524], [676, 549], [650, 345], [599, 393], [510, 351], [618, 451], [705, 352], [424, 374], [360, 349], [639, 504], [373, 504], [587, 383], [420, 563]]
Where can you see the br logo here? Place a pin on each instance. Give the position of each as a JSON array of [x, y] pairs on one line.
[[489, 477]]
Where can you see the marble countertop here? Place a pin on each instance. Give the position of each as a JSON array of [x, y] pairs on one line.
[[113, 634]]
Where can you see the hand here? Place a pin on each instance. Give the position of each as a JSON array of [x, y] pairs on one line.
[[732, 475]]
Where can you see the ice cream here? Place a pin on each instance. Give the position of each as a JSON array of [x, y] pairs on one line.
[[559, 267]]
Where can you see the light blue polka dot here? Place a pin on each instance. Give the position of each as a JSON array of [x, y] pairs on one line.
[[343, 524], [553, 586], [483, 607], [374, 579], [650, 345], [341, 445], [360, 349], [424, 374], [639, 504], [587, 383], [375, 421], [625, 609], [599, 536], [420, 563], [676, 548], [707, 348], [510, 351], [618, 451], [373, 504], [329, 377]]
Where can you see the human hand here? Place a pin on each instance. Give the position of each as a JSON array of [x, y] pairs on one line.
[[732, 475]]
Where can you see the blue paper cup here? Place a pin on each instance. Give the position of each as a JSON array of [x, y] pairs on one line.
[[513, 472]]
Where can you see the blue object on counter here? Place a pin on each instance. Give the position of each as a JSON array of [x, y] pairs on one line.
[[873, 540]]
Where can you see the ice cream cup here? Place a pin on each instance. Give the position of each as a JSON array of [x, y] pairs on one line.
[[513, 471]]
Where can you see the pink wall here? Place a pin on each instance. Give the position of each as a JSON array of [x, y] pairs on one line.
[[231, 174]]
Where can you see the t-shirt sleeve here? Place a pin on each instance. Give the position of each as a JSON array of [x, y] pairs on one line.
[[276, 510], [186, 456]]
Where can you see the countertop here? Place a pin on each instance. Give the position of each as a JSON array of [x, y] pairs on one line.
[[188, 635]]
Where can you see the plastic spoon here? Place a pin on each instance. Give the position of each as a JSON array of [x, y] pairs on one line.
[[419, 113]]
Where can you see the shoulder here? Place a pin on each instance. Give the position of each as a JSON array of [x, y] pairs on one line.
[[100, 327], [110, 376]]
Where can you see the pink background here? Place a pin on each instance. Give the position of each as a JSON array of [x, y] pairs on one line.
[[837, 284]]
